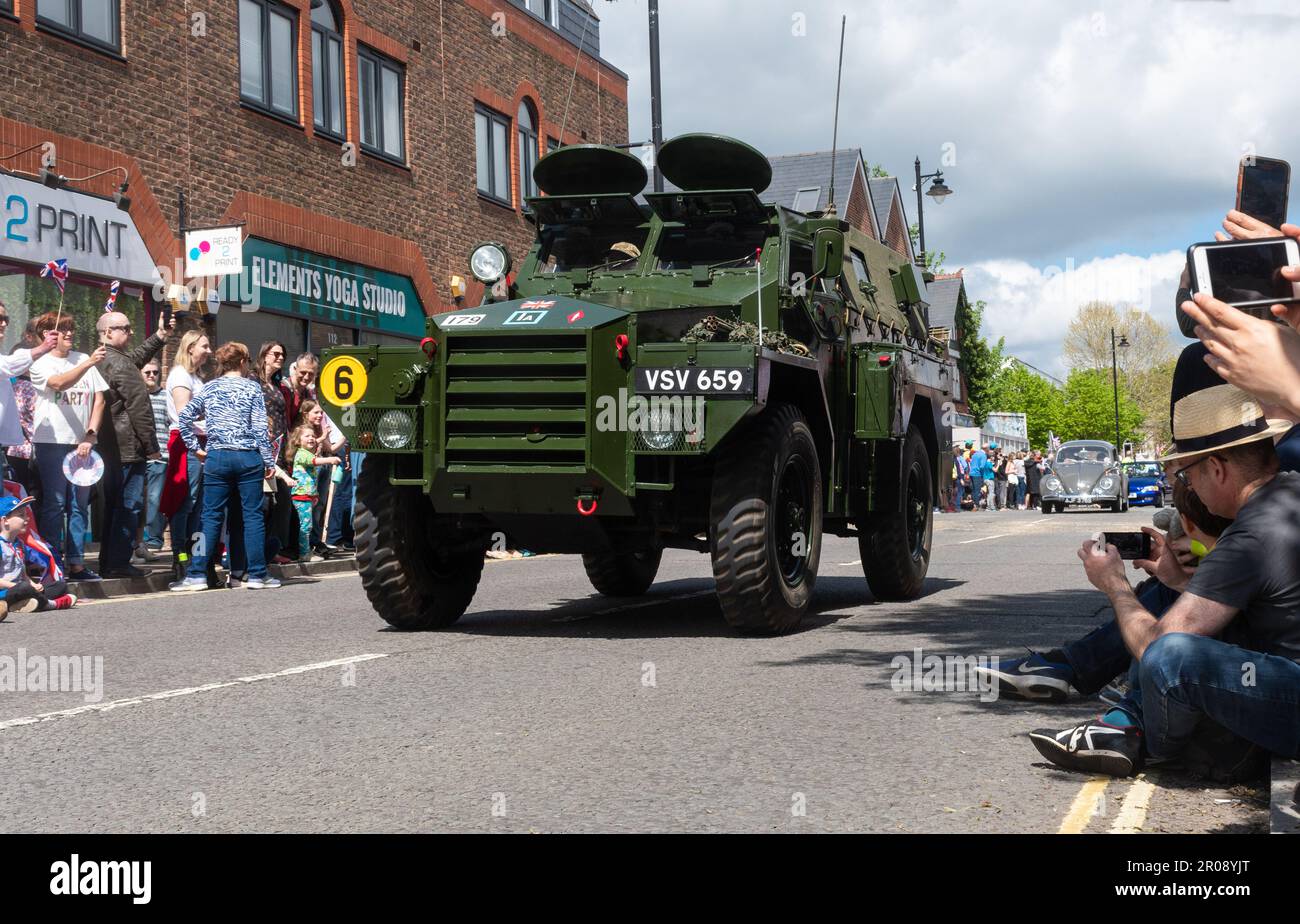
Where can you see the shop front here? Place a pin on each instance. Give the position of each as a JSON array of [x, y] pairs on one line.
[[100, 242], [310, 301]]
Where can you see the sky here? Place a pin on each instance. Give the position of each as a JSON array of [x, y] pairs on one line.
[[1087, 144]]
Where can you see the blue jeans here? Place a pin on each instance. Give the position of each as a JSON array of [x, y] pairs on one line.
[[123, 492], [232, 474], [1184, 678], [958, 492], [154, 522], [976, 482], [1020, 494], [1100, 656], [341, 509], [60, 498], [185, 521]]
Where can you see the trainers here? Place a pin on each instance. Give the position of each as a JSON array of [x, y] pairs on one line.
[[30, 605], [126, 572], [189, 583], [234, 580], [267, 583], [1033, 677], [1115, 692], [65, 602], [85, 574], [1093, 747]]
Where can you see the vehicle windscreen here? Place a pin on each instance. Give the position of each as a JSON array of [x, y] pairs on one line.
[[1143, 469], [724, 244], [614, 248], [1083, 454]]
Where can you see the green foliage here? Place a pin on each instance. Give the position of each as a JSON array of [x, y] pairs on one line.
[[1089, 409], [980, 363], [877, 172], [1017, 390], [931, 260]]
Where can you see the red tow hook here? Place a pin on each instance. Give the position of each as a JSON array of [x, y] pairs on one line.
[[584, 512], [429, 347], [620, 347]]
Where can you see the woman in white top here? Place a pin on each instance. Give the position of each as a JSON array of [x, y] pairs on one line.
[[69, 408], [183, 386]]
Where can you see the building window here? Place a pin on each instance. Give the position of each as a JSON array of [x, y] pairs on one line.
[[527, 135], [7, 6], [548, 10], [93, 21], [268, 77], [552, 144], [492, 143], [327, 69], [805, 200], [382, 108]]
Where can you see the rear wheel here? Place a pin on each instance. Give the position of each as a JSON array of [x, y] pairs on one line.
[[766, 523], [622, 574], [895, 546], [416, 577]]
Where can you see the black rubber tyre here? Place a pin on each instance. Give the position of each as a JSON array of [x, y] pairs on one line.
[[895, 548], [411, 581], [1045, 507], [765, 509], [1160, 500], [622, 574]]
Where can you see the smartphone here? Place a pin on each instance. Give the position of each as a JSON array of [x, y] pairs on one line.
[[1131, 546], [1245, 274], [1263, 186]]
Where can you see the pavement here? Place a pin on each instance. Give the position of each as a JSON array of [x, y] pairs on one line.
[[551, 708]]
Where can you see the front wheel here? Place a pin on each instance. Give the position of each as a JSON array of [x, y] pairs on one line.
[[765, 521], [416, 577], [895, 546]]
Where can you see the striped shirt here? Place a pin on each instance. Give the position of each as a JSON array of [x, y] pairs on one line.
[[236, 417], [161, 426]]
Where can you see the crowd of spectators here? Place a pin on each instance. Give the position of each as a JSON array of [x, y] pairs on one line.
[[989, 478], [214, 457]]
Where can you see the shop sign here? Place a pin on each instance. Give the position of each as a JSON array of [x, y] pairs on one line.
[[214, 252]]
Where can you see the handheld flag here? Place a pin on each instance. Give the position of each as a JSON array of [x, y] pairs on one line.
[[111, 304], [56, 270]]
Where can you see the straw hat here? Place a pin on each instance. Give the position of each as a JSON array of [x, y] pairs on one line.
[[1207, 414]]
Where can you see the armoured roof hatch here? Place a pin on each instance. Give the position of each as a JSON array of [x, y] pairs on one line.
[[589, 168], [704, 161]]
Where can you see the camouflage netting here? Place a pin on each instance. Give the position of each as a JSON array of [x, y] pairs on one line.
[[714, 329]]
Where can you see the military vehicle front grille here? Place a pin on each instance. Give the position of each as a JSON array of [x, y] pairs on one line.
[[516, 401]]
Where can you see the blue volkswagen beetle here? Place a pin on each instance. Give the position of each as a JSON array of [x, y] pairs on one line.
[[1147, 485]]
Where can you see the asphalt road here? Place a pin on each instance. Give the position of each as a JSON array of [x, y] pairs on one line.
[[550, 708]]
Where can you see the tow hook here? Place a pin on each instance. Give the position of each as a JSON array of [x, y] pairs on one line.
[[587, 498]]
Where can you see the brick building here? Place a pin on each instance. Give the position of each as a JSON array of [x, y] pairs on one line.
[[364, 146]]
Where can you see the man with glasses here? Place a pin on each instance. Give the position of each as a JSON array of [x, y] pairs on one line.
[[1224, 659], [129, 441], [11, 366], [154, 522]]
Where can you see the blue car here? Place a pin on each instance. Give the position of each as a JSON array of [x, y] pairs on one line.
[[1147, 485]]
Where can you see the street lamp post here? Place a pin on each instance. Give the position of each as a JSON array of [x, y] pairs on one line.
[[1114, 377], [938, 191]]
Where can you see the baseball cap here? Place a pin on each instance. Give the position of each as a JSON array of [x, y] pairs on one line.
[[9, 504]]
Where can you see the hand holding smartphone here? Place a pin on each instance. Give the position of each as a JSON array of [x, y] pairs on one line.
[[1246, 274], [1131, 546], [1263, 187]]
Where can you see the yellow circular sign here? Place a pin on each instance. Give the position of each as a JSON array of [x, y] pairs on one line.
[[343, 381]]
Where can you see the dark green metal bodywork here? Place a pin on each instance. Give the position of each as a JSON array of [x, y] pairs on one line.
[[509, 402]]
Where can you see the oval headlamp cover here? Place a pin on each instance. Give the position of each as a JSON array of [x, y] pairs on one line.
[[488, 263]]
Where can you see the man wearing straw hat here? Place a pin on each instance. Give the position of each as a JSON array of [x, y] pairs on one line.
[[1227, 652]]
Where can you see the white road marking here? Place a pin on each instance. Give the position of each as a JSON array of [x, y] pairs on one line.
[[984, 539], [849, 564], [1134, 813], [184, 691]]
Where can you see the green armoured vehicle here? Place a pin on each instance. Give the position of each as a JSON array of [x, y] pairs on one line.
[[612, 399]]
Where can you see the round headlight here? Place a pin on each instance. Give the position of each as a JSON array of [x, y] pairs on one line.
[[396, 429], [1106, 484], [489, 262], [1053, 483], [660, 432]]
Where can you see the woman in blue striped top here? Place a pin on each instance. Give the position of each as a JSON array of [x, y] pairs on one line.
[[237, 459]]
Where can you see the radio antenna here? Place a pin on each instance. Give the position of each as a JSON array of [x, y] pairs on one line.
[[835, 131]]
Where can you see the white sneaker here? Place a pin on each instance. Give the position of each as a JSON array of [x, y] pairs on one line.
[[268, 583], [190, 583]]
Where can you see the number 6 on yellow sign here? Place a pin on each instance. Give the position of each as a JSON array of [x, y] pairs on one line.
[[343, 381]]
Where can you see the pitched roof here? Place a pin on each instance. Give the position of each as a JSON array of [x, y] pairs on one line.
[[883, 189], [943, 293], [793, 172]]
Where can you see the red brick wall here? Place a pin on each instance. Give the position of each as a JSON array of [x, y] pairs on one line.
[[858, 211], [170, 114], [896, 234]]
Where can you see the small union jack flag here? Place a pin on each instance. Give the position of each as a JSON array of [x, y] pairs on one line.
[[112, 296], [56, 270]]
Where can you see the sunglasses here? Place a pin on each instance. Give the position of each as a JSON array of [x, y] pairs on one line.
[[153, 372], [124, 327], [4, 319], [276, 353]]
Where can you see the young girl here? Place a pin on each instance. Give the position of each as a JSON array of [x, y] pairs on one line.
[[303, 452]]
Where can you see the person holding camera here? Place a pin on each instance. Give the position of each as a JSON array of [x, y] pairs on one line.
[[1226, 653]]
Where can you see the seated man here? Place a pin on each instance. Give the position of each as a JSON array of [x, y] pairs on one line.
[[1086, 665], [1228, 649]]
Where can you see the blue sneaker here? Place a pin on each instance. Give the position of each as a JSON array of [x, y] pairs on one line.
[[1033, 677], [85, 574]]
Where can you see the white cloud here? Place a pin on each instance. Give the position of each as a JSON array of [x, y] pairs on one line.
[[1032, 306]]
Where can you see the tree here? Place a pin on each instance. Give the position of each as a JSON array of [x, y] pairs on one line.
[[877, 172], [1089, 409], [1018, 391], [931, 260], [1150, 391], [980, 363], [1087, 341]]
